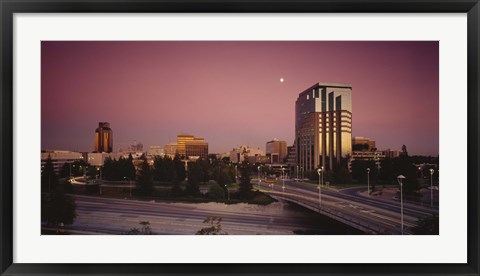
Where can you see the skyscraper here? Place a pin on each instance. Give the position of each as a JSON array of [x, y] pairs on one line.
[[323, 125], [103, 138]]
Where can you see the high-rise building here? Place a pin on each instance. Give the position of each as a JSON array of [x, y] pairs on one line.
[[323, 125], [189, 145], [276, 150], [103, 138]]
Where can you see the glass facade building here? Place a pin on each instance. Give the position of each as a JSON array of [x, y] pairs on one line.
[[189, 145], [323, 125]]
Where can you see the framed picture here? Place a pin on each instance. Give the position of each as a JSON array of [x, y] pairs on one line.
[[239, 137]]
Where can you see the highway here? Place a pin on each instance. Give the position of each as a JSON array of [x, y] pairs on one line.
[[99, 215], [371, 214]]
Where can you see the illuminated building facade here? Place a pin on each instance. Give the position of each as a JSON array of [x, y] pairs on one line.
[[363, 144], [103, 138], [323, 125], [276, 150], [188, 145]]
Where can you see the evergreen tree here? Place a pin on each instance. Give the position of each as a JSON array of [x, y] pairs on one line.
[[193, 183], [49, 178], [245, 179], [176, 189], [179, 167], [145, 178], [58, 208], [130, 167], [427, 226], [404, 151]]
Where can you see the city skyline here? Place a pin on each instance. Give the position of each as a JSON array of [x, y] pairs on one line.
[[231, 93]]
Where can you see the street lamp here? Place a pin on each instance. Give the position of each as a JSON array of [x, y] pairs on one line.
[[322, 169], [319, 171], [100, 183], [283, 179], [400, 181], [368, 181], [228, 192], [431, 187], [236, 177], [130, 182], [297, 173], [258, 170]]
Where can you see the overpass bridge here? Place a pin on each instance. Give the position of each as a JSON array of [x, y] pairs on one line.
[[368, 214]]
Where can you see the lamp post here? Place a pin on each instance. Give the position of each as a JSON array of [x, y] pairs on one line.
[[297, 173], [130, 182], [258, 170], [228, 192], [368, 181], [319, 171], [400, 181], [100, 183], [322, 170], [431, 187], [283, 179], [236, 177]]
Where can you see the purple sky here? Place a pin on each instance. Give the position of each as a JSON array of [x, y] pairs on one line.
[[230, 92]]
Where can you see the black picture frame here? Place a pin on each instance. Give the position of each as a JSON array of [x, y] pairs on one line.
[[9, 7]]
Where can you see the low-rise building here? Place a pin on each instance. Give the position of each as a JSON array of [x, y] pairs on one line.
[[242, 153], [60, 157], [98, 159], [276, 150], [156, 151]]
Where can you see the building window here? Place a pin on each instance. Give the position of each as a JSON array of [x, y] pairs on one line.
[[308, 97]]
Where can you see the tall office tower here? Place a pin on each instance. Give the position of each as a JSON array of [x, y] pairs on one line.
[[103, 138], [276, 150], [188, 145], [323, 125]]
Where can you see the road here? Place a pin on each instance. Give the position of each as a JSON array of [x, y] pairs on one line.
[[98, 215], [347, 205]]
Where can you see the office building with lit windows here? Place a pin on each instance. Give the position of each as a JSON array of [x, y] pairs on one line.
[[189, 146], [103, 138], [323, 125]]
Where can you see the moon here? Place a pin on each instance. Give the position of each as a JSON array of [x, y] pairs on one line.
[[281, 79]]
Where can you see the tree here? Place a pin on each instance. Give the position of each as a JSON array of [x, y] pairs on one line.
[[404, 151], [427, 226], [145, 179], [176, 189], [193, 183], [65, 170], [403, 166], [215, 227], [216, 192], [245, 185], [145, 229], [341, 175], [59, 208], [49, 178], [179, 167], [360, 173]]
